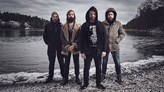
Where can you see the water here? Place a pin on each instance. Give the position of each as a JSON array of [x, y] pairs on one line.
[[25, 51]]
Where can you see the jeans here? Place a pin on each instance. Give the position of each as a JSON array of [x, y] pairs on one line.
[[87, 63], [116, 59], [76, 64], [52, 56]]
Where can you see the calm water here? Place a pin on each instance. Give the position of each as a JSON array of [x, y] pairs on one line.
[[25, 51]]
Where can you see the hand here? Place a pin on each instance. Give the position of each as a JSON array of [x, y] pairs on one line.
[[70, 48], [103, 54], [83, 56]]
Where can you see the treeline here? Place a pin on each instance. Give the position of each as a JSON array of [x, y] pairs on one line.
[[150, 15], [9, 20]]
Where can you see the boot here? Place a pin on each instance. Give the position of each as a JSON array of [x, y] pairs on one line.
[[119, 80], [64, 82], [100, 86], [78, 81], [103, 76], [49, 79]]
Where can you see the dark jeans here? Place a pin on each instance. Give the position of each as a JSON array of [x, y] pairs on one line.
[[76, 64], [52, 56], [116, 59], [87, 63]]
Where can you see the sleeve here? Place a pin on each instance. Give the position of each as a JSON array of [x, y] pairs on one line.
[[121, 33], [45, 36], [104, 38], [81, 39], [63, 39], [77, 38]]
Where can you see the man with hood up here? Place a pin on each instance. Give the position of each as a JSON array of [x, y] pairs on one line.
[[70, 42], [51, 38], [115, 33], [92, 45]]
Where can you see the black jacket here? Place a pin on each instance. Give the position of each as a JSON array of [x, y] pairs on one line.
[[51, 34], [84, 36]]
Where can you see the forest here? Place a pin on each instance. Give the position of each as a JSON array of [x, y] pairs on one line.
[[150, 14], [16, 20]]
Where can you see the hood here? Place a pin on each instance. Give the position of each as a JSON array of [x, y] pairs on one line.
[[111, 10], [56, 14], [87, 14]]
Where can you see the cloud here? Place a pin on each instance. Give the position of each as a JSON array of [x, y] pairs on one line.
[[126, 8]]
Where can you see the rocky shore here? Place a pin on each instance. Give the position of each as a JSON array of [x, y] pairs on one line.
[[140, 76]]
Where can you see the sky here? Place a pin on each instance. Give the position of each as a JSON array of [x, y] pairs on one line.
[[126, 9]]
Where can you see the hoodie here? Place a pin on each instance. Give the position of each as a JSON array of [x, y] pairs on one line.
[[115, 31], [85, 37]]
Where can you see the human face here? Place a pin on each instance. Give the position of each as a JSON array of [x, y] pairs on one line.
[[71, 17], [92, 16], [110, 16], [71, 14], [54, 17]]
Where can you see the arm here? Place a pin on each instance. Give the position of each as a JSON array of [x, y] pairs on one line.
[[63, 40], [121, 33], [45, 36], [81, 39], [77, 38], [104, 41]]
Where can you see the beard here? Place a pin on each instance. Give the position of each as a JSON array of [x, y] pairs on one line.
[[110, 20], [69, 20]]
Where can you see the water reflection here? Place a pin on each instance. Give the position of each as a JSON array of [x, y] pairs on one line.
[[20, 33]]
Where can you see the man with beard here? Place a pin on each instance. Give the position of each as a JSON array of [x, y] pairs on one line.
[[92, 45], [115, 33], [70, 42], [51, 38]]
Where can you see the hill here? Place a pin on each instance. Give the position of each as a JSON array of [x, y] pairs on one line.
[[150, 15], [16, 20]]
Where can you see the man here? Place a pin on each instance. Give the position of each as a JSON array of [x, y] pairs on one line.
[[51, 38], [70, 42], [115, 33], [92, 45]]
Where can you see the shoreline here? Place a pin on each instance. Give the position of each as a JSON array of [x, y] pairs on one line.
[[143, 75]]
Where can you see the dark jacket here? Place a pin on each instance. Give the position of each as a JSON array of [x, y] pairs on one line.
[[84, 35], [51, 36]]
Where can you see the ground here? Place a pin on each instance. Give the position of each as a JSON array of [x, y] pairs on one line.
[[141, 76]]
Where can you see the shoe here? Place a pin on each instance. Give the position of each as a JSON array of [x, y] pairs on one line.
[[83, 87], [119, 80], [64, 83], [100, 86], [78, 81], [103, 77], [48, 80]]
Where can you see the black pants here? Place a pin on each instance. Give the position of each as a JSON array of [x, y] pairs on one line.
[[76, 64], [87, 63], [52, 56]]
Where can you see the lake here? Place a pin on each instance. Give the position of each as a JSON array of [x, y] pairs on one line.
[[25, 51]]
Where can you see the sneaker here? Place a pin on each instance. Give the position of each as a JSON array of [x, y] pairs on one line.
[[100, 86], [48, 80], [83, 87]]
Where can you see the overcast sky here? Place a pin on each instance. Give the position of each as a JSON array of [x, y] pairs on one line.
[[126, 9]]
